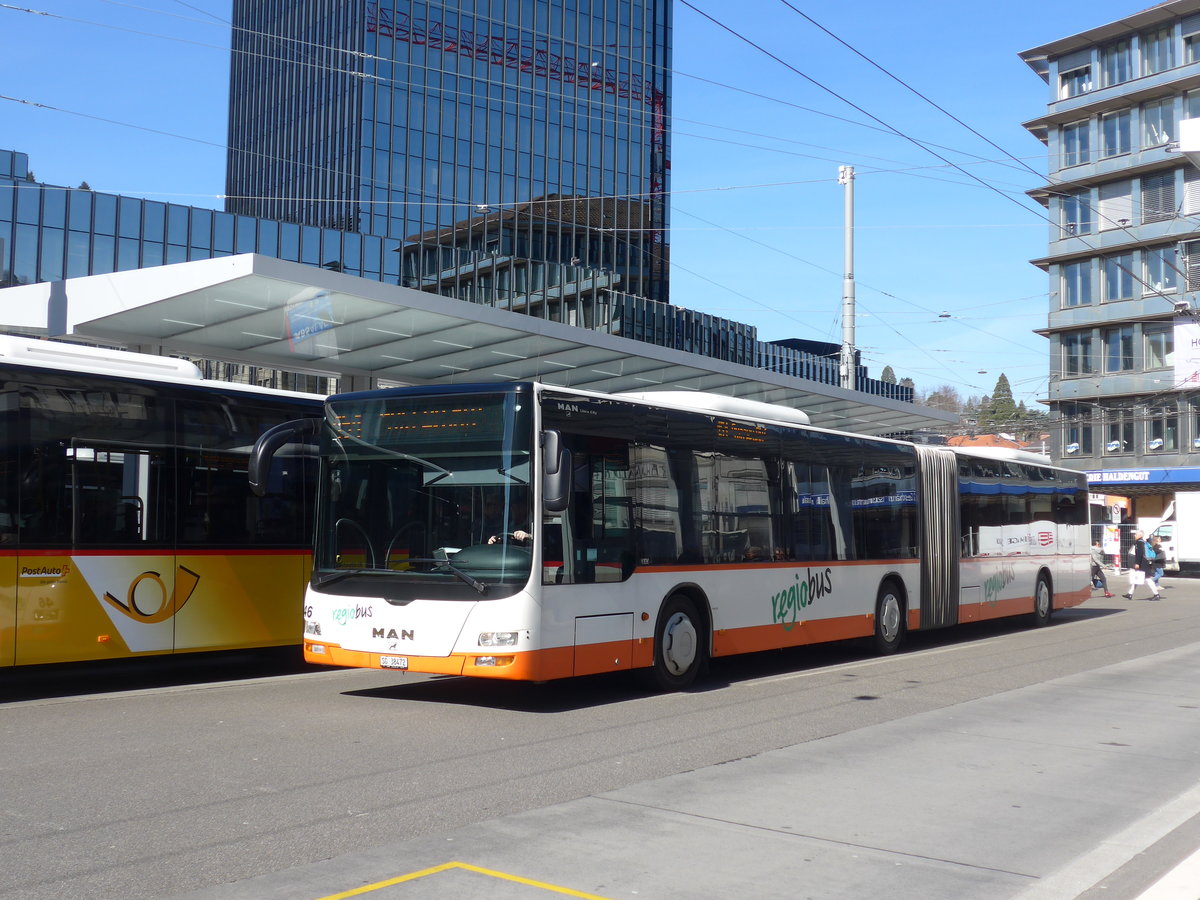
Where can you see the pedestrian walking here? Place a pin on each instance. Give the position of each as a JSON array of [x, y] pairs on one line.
[[1160, 558], [1140, 568], [1098, 578]]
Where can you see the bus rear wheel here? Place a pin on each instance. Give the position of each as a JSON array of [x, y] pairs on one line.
[[680, 647], [889, 618], [1043, 602]]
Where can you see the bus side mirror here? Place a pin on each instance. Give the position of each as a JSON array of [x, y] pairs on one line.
[[556, 472], [269, 442]]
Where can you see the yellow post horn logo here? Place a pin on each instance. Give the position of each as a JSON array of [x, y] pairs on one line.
[[185, 583]]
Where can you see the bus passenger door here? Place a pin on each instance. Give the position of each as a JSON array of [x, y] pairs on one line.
[[591, 540], [96, 581], [119, 497]]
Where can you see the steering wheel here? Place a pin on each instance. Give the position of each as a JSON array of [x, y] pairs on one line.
[[358, 531], [402, 531]]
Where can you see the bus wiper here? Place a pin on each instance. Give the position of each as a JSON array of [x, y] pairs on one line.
[[455, 571], [340, 574], [503, 470], [332, 577]]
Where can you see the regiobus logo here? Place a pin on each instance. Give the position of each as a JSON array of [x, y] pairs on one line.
[[786, 605]]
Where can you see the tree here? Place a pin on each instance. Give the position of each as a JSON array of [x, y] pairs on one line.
[[1000, 410], [888, 376], [84, 186], [945, 397]]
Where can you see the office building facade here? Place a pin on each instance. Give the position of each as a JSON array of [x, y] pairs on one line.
[[513, 147], [1123, 256], [50, 232]]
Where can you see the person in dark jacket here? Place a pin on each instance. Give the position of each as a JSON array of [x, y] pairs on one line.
[[1141, 569]]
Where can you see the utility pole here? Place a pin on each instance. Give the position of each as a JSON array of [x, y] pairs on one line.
[[846, 368]]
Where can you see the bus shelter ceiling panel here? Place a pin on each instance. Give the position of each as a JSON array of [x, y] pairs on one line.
[[463, 347], [633, 374], [535, 358]]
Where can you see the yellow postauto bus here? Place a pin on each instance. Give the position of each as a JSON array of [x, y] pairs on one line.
[[126, 524]]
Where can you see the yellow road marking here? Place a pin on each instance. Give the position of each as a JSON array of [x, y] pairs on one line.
[[413, 876]]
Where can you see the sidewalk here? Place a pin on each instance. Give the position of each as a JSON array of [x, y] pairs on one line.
[[1041, 794]]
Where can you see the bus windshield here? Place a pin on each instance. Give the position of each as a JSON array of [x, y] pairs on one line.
[[426, 496]]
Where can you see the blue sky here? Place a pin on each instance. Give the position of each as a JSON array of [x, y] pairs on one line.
[[946, 295]]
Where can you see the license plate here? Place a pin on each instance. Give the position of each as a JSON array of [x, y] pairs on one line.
[[394, 662]]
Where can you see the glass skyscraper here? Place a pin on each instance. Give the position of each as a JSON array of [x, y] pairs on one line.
[[516, 150]]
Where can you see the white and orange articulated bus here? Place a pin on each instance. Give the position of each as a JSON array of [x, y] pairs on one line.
[[127, 526], [532, 532]]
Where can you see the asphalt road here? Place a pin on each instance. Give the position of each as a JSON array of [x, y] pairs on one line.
[[183, 776]]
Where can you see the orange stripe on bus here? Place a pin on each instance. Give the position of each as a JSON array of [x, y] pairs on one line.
[[530, 665], [1072, 598], [610, 656], [729, 641]]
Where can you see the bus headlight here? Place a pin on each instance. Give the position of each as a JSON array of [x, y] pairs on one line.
[[498, 639]]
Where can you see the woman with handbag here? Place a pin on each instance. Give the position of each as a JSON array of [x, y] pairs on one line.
[[1141, 567]]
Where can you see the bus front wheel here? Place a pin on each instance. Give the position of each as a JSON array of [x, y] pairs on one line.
[[680, 650], [889, 618]]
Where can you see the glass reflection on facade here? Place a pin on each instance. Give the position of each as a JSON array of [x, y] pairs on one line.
[[517, 148], [49, 232]]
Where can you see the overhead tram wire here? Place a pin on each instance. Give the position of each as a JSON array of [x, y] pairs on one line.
[[299, 62], [821, 268], [500, 22], [847, 101], [437, 201], [908, 86], [1038, 212], [955, 118], [369, 57]]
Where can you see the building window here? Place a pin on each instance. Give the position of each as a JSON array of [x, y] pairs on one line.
[[1158, 197], [1114, 133], [1076, 212], [1191, 191], [1118, 431], [1159, 270], [1191, 39], [1118, 277], [1075, 81], [1076, 144], [1116, 204], [1162, 430], [1077, 429], [1158, 122], [1160, 347], [1191, 264], [1118, 349], [1077, 356], [1116, 63], [1158, 50], [1077, 283]]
